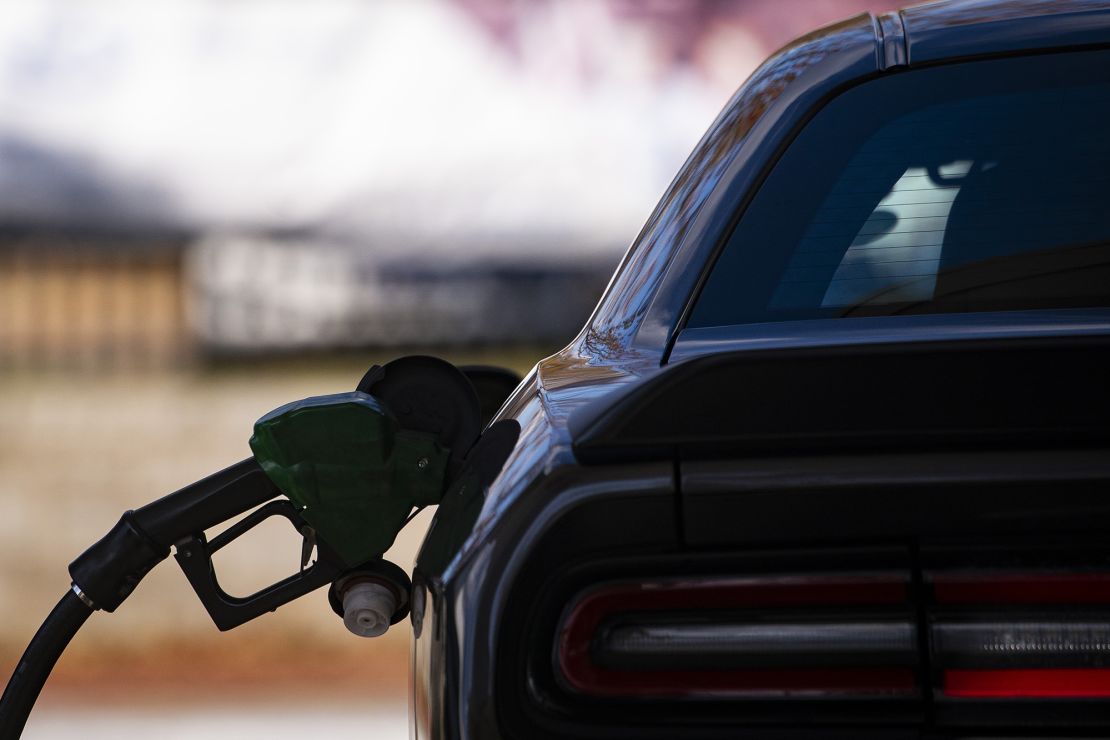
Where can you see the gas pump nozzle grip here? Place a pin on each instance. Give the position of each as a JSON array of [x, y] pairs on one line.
[[110, 569], [194, 555], [202, 505]]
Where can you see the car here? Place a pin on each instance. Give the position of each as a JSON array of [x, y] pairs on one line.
[[831, 457]]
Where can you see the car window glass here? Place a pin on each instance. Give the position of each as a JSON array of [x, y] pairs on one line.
[[972, 187]]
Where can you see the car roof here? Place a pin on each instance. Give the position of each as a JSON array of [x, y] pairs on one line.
[[956, 28]]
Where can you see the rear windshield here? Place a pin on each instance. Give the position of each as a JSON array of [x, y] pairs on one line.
[[973, 187]]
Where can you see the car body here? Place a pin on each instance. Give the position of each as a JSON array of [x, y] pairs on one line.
[[875, 487]]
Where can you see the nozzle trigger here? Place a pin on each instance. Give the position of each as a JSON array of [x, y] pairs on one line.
[[194, 555], [308, 544]]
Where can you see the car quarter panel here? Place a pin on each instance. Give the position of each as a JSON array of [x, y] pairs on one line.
[[475, 553]]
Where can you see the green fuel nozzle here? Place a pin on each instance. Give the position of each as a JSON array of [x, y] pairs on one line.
[[355, 473], [346, 470]]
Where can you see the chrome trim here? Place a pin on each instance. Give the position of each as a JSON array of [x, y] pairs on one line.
[[84, 597], [732, 645]]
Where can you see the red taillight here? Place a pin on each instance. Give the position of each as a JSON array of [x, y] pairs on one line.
[[1034, 635], [979, 587], [800, 636], [1012, 683]]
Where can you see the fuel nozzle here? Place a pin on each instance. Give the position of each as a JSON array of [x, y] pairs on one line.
[[352, 468], [358, 463]]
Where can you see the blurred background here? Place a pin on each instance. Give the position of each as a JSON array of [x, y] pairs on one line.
[[210, 208]]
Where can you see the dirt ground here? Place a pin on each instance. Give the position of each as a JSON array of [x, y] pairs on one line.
[[75, 452]]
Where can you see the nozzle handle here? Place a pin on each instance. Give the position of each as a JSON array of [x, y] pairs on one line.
[[202, 505], [110, 570]]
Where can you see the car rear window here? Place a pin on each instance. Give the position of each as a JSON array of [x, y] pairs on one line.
[[973, 187]]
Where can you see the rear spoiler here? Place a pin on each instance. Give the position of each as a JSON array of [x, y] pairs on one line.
[[1042, 392]]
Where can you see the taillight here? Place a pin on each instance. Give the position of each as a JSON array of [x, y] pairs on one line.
[[1013, 683], [1034, 636], [1022, 640], [1000, 587], [804, 636]]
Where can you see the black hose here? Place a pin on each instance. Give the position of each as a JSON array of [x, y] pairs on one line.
[[37, 662]]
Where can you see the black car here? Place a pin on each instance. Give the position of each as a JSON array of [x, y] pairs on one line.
[[832, 456]]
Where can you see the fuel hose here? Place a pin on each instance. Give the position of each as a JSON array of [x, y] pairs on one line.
[[38, 661]]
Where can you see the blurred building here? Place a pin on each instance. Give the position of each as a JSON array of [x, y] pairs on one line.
[[92, 301], [255, 294]]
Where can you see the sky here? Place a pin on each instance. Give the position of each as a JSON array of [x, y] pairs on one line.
[[441, 124]]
